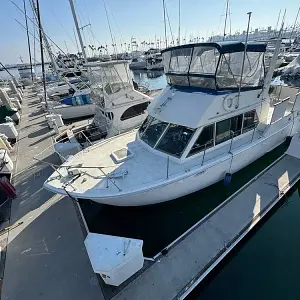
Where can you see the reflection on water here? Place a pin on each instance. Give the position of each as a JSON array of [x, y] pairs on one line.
[[152, 79]]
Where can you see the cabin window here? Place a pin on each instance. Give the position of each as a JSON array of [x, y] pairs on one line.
[[203, 82], [134, 111], [204, 141], [250, 120], [153, 132], [175, 139], [178, 80], [228, 129]]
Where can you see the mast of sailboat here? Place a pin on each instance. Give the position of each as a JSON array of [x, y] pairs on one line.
[[226, 16], [34, 51], [165, 25], [114, 44], [78, 31], [295, 23], [28, 40], [40, 28], [178, 22], [42, 50], [277, 22]]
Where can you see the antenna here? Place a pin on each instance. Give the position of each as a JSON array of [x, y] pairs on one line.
[[225, 22], [245, 50], [178, 22]]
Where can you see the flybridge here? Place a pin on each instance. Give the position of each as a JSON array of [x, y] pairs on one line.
[[216, 66]]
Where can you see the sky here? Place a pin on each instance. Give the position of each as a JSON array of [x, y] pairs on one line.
[[141, 19]]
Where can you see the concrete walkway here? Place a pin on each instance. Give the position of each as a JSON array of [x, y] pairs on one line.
[[46, 257]]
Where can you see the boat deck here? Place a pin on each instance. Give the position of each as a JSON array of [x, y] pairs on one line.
[[45, 256], [144, 170], [193, 255]]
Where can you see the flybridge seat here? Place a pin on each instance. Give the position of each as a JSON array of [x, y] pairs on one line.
[[215, 67]]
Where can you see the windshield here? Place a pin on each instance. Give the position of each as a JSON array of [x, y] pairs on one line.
[[169, 138]]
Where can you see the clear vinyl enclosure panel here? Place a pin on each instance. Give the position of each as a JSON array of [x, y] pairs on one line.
[[209, 66], [111, 77]]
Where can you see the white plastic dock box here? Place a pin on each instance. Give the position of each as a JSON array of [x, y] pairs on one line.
[[114, 258]]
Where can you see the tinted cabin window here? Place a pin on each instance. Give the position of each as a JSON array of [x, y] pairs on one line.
[[153, 132], [175, 140], [204, 141], [134, 111], [229, 128], [250, 120]]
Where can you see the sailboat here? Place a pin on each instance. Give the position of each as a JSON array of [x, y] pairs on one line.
[[215, 117]]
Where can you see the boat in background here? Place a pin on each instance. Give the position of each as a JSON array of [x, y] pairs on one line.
[[118, 107]]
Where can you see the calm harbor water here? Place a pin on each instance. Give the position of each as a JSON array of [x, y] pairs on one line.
[[266, 265]]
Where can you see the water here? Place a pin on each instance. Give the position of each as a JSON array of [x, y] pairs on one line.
[[5, 76], [158, 225], [267, 265]]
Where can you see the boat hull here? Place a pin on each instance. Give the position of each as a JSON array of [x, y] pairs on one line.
[[199, 178], [76, 111]]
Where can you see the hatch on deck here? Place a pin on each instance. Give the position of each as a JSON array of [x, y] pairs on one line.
[[121, 154]]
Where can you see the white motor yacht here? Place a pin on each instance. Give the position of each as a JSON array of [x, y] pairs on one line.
[[217, 115]]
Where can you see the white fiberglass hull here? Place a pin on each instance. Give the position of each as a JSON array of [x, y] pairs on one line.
[[197, 178], [72, 112]]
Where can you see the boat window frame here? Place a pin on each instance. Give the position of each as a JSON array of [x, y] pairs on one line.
[[185, 147], [136, 115], [192, 142]]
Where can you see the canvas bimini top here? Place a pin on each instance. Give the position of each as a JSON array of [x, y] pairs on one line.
[[215, 66]]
